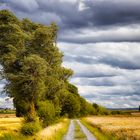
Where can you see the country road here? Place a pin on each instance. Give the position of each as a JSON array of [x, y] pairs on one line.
[[70, 133]]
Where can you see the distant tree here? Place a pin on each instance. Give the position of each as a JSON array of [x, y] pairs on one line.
[[71, 106]]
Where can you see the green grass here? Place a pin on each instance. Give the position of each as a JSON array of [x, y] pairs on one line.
[[78, 134], [14, 136], [97, 132], [7, 111]]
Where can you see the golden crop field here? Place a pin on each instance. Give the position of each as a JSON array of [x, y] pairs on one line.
[[9, 125], [127, 127]]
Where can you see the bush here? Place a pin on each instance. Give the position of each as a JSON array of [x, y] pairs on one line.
[[46, 112], [30, 128]]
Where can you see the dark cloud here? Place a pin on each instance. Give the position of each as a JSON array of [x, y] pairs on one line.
[[116, 62], [72, 17], [93, 75], [116, 12], [96, 13], [98, 39], [109, 60]]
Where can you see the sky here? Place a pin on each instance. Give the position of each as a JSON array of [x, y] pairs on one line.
[[100, 40]]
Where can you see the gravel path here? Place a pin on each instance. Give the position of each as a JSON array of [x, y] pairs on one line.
[[88, 134], [70, 133]]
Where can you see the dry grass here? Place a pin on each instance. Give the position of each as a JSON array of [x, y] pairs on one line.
[[54, 132], [11, 127], [7, 116], [8, 125], [127, 127]]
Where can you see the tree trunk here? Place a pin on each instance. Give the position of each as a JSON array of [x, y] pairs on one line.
[[32, 112]]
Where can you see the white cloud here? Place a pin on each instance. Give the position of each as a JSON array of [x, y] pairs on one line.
[[82, 6], [101, 82]]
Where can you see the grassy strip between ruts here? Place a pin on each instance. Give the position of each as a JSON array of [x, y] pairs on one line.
[[53, 132], [97, 132], [78, 134]]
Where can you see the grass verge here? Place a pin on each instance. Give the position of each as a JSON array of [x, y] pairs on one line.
[[56, 131]]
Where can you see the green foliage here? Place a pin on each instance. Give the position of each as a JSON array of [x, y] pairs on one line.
[[71, 106], [8, 137], [100, 109], [30, 128], [7, 111], [8, 17], [86, 108], [46, 112], [73, 89], [21, 107]]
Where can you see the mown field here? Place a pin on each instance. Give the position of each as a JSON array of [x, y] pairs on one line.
[[124, 127]]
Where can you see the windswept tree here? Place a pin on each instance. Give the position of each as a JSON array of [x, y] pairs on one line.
[[32, 65]]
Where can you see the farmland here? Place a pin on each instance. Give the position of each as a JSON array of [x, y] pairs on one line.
[[10, 129], [125, 127], [9, 125]]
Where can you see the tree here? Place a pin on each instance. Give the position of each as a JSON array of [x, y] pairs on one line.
[[71, 106], [32, 65]]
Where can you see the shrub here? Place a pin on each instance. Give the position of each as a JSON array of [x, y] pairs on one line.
[[46, 112], [30, 128]]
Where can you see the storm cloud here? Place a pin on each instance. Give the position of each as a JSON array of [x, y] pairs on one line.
[[101, 43]]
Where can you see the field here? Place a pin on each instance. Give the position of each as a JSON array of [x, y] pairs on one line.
[[125, 127], [10, 129], [9, 125]]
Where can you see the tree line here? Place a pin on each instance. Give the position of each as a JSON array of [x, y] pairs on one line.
[[36, 80]]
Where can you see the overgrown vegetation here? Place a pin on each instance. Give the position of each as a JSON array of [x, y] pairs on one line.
[[36, 80]]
